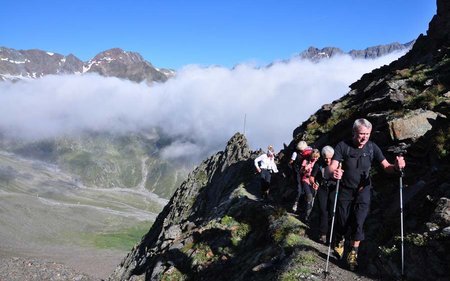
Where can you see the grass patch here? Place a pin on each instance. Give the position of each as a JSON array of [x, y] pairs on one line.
[[292, 240], [427, 99], [403, 73], [388, 251], [414, 239], [299, 269], [314, 129], [173, 274], [288, 232], [202, 254], [238, 230], [442, 143], [123, 239]]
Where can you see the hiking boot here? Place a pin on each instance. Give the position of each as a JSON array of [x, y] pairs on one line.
[[352, 260], [339, 250]]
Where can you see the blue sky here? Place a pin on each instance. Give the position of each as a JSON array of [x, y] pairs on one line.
[[175, 33]]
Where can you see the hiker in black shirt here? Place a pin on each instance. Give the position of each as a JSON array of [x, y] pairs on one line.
[[326, 189], [356, 156]]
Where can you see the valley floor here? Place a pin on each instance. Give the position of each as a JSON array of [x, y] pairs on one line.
[[15, 269], [59, 264], [52, 226]]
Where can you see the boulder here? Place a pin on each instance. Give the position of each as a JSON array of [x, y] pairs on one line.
[[413, 125], [441, 214]]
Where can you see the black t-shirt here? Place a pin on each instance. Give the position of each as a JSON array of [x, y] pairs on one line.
[[318, 174], [356, 162], [317, 171]]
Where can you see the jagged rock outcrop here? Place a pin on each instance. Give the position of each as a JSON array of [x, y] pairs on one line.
[[22, 64]]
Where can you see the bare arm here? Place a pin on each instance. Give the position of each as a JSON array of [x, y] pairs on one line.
[[392, 168], [259, 158], [334, 169], [312, 182]]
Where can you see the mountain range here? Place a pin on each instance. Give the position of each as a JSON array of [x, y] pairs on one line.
[[315, 54], [30, 64], [25, 64]]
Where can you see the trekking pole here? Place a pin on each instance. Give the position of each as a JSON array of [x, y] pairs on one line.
[[332, 223], [400, 150], [401, 220]]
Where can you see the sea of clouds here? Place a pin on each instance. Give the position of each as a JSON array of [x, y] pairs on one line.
[[201, 108]]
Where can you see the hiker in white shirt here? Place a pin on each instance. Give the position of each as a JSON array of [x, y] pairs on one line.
[[265, 165]]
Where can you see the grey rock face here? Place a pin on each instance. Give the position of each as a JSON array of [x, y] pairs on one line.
[[413, 125]]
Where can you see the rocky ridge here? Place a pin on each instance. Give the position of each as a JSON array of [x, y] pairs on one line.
[[316, 54], [216, 228]]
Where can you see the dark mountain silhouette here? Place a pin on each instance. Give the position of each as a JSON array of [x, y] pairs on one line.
[[215, 227]]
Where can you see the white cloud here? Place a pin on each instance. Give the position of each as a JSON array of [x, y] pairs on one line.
[[202, 107]]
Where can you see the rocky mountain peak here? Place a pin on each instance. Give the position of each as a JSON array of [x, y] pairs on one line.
[[123, 64], [118, 54], [316, 54]]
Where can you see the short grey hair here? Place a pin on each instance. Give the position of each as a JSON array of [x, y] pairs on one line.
[[302, 145], [327, 150], [361, 122]]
